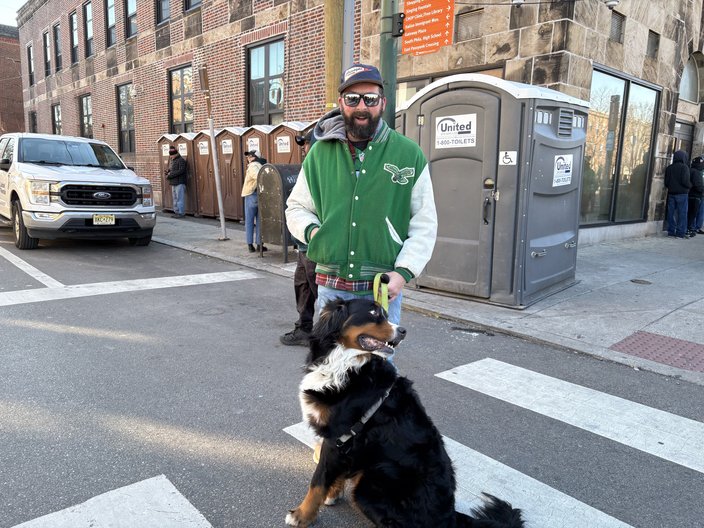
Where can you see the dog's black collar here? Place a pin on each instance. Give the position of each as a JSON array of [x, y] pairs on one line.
[[357, 428]]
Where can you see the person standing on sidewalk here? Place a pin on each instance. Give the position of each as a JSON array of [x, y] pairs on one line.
[[251, 201], [678, 184], [363, 201], [304, 285], [177, 176], [694, 207]]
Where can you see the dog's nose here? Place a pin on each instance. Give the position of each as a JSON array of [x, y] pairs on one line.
[[401, 331]]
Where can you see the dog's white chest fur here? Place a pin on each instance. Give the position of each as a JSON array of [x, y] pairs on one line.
[[330, 375]]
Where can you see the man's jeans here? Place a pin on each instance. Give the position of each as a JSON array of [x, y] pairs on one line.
[[677, 214], [326, 294], [179, 194], [251, 208]]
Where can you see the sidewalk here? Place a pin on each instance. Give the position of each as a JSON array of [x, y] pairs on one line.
[[639, 302]]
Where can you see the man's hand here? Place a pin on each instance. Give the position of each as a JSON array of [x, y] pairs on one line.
[[396, 284]]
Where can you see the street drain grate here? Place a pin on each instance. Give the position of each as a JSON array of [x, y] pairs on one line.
[[662, 349]]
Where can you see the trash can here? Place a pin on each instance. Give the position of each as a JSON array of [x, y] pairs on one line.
[[184, 144], [275, 183], [506, 164], [230, 161], [204, 177], [256, 138], [282, 142], [164, 142]]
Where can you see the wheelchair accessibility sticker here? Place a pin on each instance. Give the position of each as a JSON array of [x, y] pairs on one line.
[[508, 157]]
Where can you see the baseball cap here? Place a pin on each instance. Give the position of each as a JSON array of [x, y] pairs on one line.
[[360, 73], [172, 151], [254, 153], [307, 138]]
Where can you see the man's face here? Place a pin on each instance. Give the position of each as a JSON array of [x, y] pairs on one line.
[[361, 120]]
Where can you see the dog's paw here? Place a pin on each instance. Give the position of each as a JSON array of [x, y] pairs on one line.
[[293, 519], [331, 501]]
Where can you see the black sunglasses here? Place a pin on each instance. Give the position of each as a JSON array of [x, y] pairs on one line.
[[353, 99]]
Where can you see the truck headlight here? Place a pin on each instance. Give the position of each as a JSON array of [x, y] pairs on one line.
[[38, 192], [147, 199]]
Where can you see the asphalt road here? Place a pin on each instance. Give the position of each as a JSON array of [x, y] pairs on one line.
[[120, 364]]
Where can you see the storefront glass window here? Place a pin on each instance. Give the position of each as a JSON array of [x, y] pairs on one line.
[[618, 150]]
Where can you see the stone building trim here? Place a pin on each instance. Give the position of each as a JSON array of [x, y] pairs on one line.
[[273, 30]]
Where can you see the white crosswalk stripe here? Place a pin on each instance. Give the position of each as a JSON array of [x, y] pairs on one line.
[[105, 288], [147, 504], [656, 432]]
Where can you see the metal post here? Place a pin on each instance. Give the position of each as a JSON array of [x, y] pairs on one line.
[[348, 35], [203, 75], [388, 49]]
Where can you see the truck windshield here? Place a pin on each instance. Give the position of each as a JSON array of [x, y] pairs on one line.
[[60, 152]]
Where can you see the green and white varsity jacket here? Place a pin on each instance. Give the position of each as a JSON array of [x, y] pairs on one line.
[[383, 220]]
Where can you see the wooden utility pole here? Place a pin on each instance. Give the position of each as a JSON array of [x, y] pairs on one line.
[[334, 13]]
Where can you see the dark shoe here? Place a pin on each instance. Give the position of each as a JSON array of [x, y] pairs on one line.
[[692, 233], [251, 248], [177, 216], [263, 248], [295, 337], [700, 231]]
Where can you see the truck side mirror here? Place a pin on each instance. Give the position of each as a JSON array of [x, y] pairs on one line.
[[5, 164]]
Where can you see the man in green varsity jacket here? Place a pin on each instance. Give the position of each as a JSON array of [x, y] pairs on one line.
[[363, 201]]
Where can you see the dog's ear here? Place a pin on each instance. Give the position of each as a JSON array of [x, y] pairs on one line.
[[326, 332]]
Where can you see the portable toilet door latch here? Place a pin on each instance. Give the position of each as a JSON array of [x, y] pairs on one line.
[[489, 183]]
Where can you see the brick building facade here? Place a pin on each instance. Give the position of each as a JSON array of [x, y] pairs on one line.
[[639, 65], [11, 114]]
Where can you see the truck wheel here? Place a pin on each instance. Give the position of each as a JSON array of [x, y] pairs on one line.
[[22, 238], [142, 241]]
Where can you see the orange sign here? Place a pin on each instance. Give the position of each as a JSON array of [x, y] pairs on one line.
[[428, 26]]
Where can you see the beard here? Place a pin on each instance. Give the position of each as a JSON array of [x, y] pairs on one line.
[[361, 131]]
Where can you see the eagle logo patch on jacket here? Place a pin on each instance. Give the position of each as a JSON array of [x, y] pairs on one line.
[[400, 176]]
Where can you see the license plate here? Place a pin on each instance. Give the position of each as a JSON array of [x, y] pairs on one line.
[[103, 219]]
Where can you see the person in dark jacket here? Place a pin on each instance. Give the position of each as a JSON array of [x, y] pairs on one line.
[[177, 176], [694, 214], [304, 285], [678, 183]]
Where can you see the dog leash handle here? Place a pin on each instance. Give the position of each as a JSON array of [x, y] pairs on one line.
[[381, 290]]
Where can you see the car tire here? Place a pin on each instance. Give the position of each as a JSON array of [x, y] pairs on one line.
[[141, 241], [22, 238]]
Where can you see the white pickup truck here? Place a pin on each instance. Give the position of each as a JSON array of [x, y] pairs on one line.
[[70, 187]]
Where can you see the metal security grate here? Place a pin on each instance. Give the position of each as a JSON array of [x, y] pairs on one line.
[[564, 126], [98, 195], [618, 23]]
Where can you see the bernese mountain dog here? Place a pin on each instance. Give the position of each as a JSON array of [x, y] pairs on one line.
[[377, 437]]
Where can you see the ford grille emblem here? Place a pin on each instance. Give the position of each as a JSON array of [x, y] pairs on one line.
[[100, 195]]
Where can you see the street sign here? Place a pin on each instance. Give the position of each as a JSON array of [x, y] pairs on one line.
[[428, 26]]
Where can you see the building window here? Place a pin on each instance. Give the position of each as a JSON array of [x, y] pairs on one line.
[[163, 11], [73, 26], [85, 107], [33, 122], [110, 33], [266, 88], [468, 24], [618, 25], [30, 64], [56, 119], [181, 100], [47, 54], [125, 118], [190, 4], [618, 152], [653, 45], [130, 18], [57, 47], [692, 79], [88, 27]]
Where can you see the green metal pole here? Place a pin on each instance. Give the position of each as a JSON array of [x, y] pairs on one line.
[[387, 60]]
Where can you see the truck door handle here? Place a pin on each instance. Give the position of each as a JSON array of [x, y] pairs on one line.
[[540, 253]]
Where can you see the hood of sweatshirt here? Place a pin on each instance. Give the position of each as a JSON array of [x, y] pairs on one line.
[[680, 157]]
